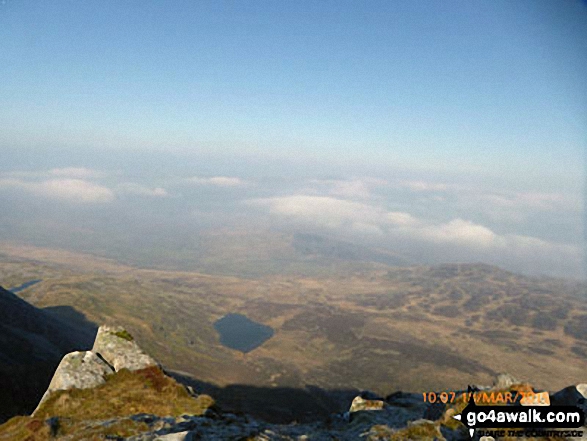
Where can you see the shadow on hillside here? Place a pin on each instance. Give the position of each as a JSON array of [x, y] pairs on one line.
[[32, 348], [280, 405], [86, 329]]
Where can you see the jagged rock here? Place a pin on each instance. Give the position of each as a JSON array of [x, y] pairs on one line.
[[421, 430], [394, 417], [179, 436], [368, 395], [504, 381], [120, 350], [79, 370], [401, 415], [453, 434], [114, 349], [359, 403], [571, 396], [568, 396]]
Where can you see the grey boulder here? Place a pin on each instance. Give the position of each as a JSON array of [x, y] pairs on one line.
[[78, 370], [119, 349]]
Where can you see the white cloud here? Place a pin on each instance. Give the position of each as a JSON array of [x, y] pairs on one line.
[[75, 190], [533, 200], [76, 172], [401, 219], [459, 235], [333, 212], [140, 190], [367, 228], [353, 189], [11, 182], [71, 190], [218, 181], [458, 231], [66, 172], [421, 186]]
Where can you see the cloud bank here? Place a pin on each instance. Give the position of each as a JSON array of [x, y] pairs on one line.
[[217, 181], [450, 240], [426, 220], [135, 189], [70, 190]]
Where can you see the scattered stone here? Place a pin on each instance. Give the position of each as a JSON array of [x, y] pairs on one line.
[[565, 397], [421, 430], [504, 381], [359, 403], [401, 416], [119, 349], [454, 434], [144, 418], [53, 424], [434, 411], [570, 396], [368, 395], [179, 436]]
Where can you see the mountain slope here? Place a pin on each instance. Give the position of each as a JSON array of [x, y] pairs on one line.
[[32, 341], [382, 329], [117, 391]]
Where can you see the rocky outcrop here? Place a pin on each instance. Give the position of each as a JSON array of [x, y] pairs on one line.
[[118, 348], [32, 343], [79, 370], [571, 396], [359, 403], [504, 381], [123, 393], [114, 349]]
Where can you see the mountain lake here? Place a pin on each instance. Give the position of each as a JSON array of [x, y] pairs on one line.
[[239, 332]]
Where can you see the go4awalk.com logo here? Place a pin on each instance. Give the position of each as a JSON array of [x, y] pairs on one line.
[[522, 421]]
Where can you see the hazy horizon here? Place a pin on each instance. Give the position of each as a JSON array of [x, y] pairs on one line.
[[444, 132]]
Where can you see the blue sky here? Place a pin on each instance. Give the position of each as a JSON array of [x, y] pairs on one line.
[[459, 125], [475, 84]]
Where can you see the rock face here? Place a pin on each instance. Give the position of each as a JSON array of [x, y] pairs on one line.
[[80, 370], [114, 349], [118, 348]]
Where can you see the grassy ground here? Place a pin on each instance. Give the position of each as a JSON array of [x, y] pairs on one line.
[[413, 328]]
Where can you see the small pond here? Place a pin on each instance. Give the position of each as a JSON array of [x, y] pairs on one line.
[[239, 332]]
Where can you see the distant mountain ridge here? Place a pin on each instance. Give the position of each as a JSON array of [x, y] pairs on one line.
[[320, 246]]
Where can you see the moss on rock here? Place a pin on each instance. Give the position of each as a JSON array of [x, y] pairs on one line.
[[124, 334]]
